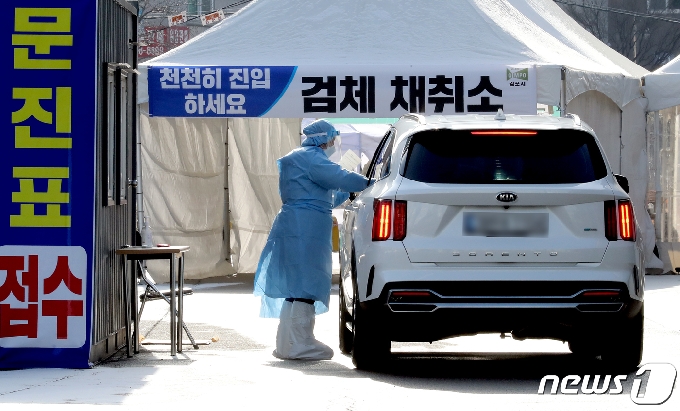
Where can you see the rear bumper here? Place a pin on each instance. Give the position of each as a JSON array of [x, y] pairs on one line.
[[527, 309]]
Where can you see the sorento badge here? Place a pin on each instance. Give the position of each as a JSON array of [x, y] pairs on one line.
[[506, 197]]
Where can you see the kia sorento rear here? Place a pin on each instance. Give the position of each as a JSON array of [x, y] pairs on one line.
[[475, 224]]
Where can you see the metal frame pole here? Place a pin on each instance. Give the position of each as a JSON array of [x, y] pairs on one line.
[[563, 93], [180, 302], [226, 230], [173, 306]]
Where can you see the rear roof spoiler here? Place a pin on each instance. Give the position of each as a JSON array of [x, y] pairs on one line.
[[577, 119], [415, 117]]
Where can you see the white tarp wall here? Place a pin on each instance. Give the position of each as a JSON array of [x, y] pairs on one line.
[[254, 201], [183, 169], [604, 116], [634, 167], [662, 89], [622, 134], [663, 195], [182, 165]]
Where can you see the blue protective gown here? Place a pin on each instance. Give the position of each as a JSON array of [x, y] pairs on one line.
[[297, 259]]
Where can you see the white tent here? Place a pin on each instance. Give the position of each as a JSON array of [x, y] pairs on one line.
[[568, 67], [662, 89]]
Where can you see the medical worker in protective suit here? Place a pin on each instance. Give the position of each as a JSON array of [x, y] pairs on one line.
[[294, 273]]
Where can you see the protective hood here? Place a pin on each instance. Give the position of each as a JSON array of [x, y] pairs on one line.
[[318, 133]]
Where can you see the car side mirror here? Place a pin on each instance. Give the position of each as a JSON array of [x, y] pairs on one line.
[[623, 182], [352, 196]]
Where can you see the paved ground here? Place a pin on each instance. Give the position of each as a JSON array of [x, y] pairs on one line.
[[238, 370]]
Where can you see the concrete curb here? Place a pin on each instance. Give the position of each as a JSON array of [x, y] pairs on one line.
[[241, 278]]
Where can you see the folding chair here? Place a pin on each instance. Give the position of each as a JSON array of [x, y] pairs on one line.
[[151, 293]]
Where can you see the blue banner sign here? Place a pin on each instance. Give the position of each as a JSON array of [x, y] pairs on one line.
[[48, 182], [216, 91]]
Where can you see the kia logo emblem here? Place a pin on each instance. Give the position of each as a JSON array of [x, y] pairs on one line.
[[506, 197]]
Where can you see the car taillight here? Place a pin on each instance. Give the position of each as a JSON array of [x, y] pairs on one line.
[[619, 222], [399, 220], [382, 219], [503, 133], [626, 221], [601, 294], [610, 221], [411, 294]]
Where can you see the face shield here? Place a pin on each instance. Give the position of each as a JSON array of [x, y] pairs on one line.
[[332, 146]]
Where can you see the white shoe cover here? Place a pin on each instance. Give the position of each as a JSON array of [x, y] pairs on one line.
[[283, 342], [301, 344]]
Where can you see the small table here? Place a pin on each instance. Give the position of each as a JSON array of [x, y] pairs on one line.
[[130, 297]]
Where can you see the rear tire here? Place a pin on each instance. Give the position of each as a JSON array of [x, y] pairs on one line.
[[624, 351], [582, 347], [371, 348], [346, 338]]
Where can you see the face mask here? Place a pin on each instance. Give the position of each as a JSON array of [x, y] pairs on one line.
[[329, 151]]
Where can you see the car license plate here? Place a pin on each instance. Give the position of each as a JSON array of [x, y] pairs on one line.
[[491, 224]]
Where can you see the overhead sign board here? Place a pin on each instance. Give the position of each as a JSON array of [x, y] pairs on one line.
[[159, 39], [346, 91]]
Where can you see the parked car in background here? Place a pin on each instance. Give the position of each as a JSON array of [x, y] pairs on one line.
[[478, 224]]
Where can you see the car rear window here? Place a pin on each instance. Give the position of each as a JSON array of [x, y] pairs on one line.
[[460, 157]]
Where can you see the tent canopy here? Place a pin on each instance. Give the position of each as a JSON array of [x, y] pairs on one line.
[[397, 33], [662, 87], [384, 37]]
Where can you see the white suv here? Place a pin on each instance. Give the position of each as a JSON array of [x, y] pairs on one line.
[[477, 224]]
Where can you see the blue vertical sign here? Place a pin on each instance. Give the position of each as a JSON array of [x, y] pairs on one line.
[[47, 188]]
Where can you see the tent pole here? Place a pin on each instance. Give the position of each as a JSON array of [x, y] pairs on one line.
[[138, 176], [563, 94], [656, 152], [621, 143], [226, 230]]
